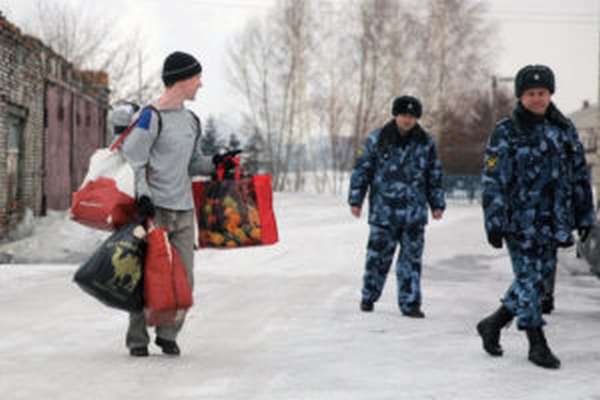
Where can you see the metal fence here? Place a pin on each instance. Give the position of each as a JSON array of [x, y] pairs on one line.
[[463, 187]]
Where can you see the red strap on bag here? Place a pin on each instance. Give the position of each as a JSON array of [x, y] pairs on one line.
[[264, 203], [183, 291], [237, 172]]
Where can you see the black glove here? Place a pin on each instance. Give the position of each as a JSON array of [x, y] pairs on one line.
[[583, 233], [226, 158], [145, 207], [495, 239]]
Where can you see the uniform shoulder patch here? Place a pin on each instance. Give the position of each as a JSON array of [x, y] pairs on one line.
[[491, 162]]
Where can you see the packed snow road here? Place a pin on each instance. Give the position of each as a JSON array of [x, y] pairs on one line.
[[283, 322]]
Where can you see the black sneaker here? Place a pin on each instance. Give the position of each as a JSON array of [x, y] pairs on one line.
[[414, 313], [366, 306], [168, 346], [139, 352]]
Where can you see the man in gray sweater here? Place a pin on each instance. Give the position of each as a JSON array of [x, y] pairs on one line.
[[164, 152]]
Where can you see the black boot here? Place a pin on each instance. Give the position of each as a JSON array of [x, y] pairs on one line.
[[366, 306], [539, 352], [547, 305], [168, 346], [414, 313], [489, 330], [139, 352]]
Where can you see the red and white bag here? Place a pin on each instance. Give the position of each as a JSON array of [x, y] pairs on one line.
[[106, 198]]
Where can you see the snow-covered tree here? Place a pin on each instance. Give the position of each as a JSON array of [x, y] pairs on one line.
[[210, 138], [254, 155], [234, 143]]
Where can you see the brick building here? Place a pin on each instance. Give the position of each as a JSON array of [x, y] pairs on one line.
[[586, 122], [52, 118]]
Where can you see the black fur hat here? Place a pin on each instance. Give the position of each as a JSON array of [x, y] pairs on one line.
[[407, 105], [534, 76]]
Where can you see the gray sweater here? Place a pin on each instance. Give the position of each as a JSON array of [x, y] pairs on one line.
[[164, 162]]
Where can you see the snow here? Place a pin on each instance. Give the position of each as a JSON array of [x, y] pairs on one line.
[[282, 321], [55, 239]]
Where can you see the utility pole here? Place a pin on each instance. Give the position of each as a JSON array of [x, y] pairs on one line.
[[596, 132], [140, 76], [494, 94]]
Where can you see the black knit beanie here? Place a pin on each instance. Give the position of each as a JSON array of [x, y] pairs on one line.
[[179, 66], [407, 105], [534, 76]]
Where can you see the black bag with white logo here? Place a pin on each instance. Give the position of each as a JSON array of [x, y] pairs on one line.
[[114, 273]]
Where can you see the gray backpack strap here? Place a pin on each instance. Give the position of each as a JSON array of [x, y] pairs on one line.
[[197, 120], [155, 110]]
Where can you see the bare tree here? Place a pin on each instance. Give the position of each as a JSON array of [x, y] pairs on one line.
[[332, 99], [385, 42], [455, 57], [466, 134], [307, 74], [91, 40], [269, 70], [365, 59], [374, 19]]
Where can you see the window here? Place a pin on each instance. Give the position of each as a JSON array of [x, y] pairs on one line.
[[88, 114], [15, 160]]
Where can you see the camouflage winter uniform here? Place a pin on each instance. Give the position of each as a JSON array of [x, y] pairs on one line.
[[536, 190], [402, 175]]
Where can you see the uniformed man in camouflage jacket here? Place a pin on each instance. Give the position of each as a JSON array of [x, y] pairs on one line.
[[399, 168], [536, 191]]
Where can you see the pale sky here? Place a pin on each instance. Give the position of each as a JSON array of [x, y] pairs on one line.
[[562, 34]]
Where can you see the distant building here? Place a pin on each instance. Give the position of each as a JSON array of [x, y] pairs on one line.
[[587, 122], [52, 118]]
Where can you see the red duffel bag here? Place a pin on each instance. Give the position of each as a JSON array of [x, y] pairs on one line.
[[235, 212], [167, 293]]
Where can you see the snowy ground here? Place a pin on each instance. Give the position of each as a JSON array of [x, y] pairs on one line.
[[282, 322]]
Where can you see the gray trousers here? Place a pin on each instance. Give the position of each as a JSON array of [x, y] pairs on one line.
[[180, 225]]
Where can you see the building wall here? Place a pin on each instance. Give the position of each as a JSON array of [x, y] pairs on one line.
[[28, 72], [589, 137], [596, 171], [21, 89]]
